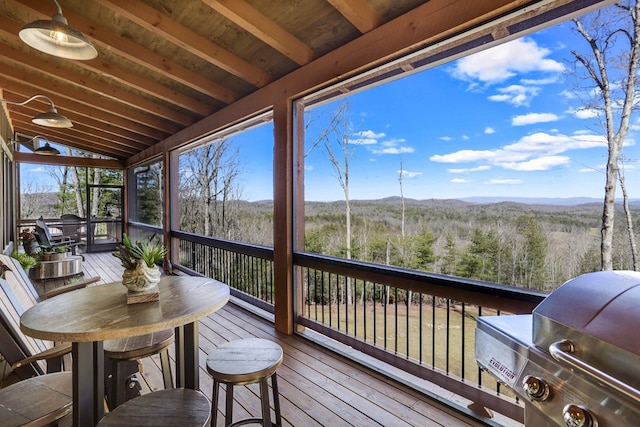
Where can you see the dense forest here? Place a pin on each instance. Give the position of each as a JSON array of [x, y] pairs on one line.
[[536, 246], [530, 245]]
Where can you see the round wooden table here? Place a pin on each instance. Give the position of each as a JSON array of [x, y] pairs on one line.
[[88, 316]]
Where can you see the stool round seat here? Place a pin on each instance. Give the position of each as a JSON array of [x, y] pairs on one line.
[[173, 407], [131, 348], [122, 351], [244, 362], [52, 392]]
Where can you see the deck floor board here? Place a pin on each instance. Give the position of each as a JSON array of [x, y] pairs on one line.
[[317, 387]]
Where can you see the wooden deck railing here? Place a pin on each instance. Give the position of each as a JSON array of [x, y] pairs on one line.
[[365, 307]]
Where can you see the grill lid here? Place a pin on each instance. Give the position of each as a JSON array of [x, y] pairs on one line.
[[598, 314]]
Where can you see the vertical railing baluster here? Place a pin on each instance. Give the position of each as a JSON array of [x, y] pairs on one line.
[[463, 342], [433, 331], [420, 329], [446, 346]]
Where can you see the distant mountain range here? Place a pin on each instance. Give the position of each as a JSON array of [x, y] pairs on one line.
[[558, 201], [481, 200]]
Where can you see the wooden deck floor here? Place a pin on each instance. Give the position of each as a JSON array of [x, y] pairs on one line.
[[317, 386]]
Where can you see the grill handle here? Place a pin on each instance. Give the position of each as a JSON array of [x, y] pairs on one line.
[[561, 351]]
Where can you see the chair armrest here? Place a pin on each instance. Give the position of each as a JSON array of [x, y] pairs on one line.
[[67, 288], [52, 353]]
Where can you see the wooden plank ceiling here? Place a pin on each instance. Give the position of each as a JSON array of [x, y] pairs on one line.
[[164, 65]]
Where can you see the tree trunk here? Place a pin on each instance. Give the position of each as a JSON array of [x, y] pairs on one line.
[[630, 229]]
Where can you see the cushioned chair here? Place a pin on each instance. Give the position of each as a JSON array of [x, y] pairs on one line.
[[29, 356]]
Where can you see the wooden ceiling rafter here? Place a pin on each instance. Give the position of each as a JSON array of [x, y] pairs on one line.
[[80, 110], [250, 19], [359, 13], [103, 146], [45, 66], [136, 54], [170, 72], [160, 24], [82, 130]]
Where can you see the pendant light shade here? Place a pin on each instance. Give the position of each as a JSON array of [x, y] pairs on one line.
[[50, 119], [57, 38], [47, 150]]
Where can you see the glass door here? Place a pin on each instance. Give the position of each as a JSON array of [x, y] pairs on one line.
[[104, 225]]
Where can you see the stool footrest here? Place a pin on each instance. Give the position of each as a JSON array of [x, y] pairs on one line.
[[183, 407], [248, 421]]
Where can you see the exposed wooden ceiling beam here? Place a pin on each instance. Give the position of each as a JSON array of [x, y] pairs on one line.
[[359, 13], [165, 27], [109, 41], [80, 129], [70, 138], [80, 100], [67, 161], [250, 19]]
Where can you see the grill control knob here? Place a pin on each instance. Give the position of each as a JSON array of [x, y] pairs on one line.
[[578, 416], [536, 388]]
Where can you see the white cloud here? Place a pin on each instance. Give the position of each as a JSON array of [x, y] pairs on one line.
[[506, 60], [363, 141], [532, 118], [555, 144], [538, 164], [409, 174], [546, 81], [370, 134], [585, 113], [308, 167], [366, 137], [517, 95], [537, 151], [460, 181], [446, 138], [393, 150], [568, 94], [588, 170], [38, 169], [392, 146], [489, 130], [465, 137], [502, 181], [477, 169]]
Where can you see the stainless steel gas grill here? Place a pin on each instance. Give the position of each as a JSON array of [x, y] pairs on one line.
[[576, 359]]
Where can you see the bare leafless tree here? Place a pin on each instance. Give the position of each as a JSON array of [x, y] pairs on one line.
[[338, 149], [611, 67], [627, 211], [212, 183], [32, 197]]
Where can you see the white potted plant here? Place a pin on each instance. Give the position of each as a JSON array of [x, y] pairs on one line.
[[139, 261]]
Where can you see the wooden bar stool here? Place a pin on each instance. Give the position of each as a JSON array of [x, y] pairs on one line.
[[121, 351], [243, 362], [40, 401], [173, 407]]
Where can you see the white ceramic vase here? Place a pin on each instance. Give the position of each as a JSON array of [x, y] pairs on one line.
[[142, 278]]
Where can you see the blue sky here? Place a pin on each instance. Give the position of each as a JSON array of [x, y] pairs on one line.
[[504, 122]]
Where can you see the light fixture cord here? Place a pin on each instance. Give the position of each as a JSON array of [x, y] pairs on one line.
[[58, 6]]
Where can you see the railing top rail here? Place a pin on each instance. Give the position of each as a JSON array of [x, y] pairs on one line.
[[486, 294], [243, 248]]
